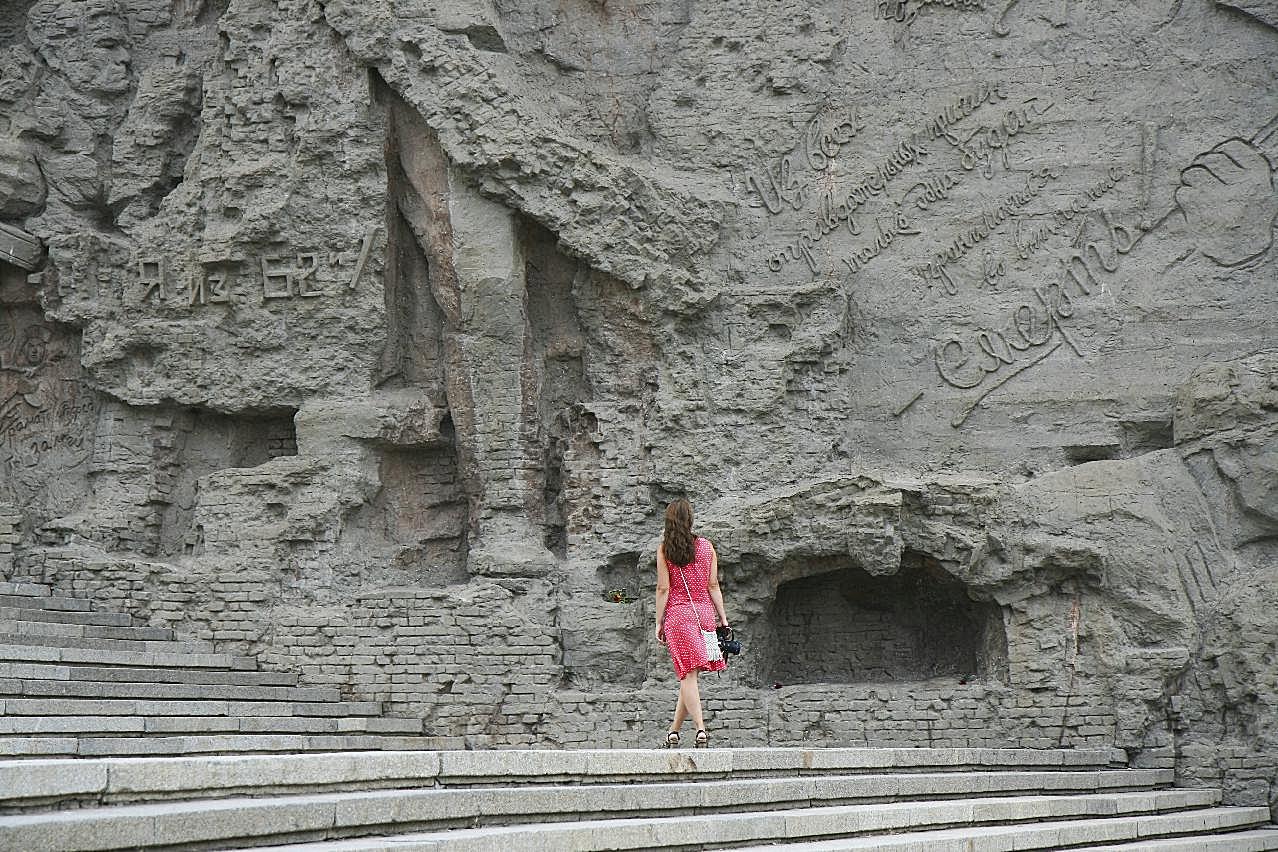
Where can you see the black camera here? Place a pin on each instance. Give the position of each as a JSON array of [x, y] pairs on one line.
[[728, 643]]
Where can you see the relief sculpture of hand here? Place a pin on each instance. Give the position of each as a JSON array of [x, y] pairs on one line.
[[1228, 198]]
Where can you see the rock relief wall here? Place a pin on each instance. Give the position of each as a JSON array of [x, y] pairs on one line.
[[373, 337]]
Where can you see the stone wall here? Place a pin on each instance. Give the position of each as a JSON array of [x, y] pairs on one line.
[[374, 337]]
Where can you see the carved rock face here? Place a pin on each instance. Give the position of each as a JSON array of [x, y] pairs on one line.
[[87, 41], [22, 187], [961, 293]]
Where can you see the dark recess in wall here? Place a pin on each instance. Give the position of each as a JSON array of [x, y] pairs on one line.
[[848, 626], [194, 442], [559, 364]]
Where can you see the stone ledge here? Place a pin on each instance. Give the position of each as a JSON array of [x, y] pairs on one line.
[[29, 629], [31, 590], [62, 604], [146, 706], [1051, 835], [92, 689], [222, 776], [59, 616], [221, 744], [626, 762], [212, 821], [139, 644], [1255, 840]]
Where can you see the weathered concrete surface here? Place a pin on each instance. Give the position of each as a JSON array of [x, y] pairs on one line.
[[374, 337]]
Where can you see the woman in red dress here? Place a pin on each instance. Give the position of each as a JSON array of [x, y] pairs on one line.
[[688, 602]]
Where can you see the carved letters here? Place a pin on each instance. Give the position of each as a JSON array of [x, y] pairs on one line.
[[897, 224], [778, 185], [838, 208], [210, 288], [1034, 329], [905, 11], [937, 270], [302, 275], [307, 264], [152, 272], [285, 278], [364, 249]]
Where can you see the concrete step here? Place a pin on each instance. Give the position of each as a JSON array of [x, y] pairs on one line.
[[131, 746], [46, 602], [104, 619], [1046, 835], [15, 687], [130, 780], [91, 726], [1253, 840], [324, 816], [148, 659], [54, 707], [93, 643], [142, 674], [738, 829], [25, 590], [86, 631], [549, 765]]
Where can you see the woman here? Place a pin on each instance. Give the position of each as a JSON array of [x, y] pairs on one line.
[[688, 565]]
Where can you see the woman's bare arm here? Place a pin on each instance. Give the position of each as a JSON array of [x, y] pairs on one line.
[[716, 594], [663, 589]]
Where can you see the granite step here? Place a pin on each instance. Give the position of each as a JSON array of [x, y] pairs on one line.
[[104, 644], [131, 780], [603, 765], [141, 674], [95, 643], [25, 590], [46, 602], [10, 652], [458, 769], [1253, 840], [57, 616], [1233, 824], [86, 631], [15, 687], [91, 726], [226, 744], [322, 817], [53, 707], [887, 832]]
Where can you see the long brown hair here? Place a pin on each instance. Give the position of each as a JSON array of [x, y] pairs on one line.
[[678, 543]]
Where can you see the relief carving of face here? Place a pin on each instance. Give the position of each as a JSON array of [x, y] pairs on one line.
[[35, 347], [87, 41], [1252, 466]]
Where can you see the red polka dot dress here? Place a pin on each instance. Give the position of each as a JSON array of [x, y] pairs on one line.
[[682, 632]]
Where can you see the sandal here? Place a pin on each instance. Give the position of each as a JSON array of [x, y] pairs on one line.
[[672, 740], [703, 739]]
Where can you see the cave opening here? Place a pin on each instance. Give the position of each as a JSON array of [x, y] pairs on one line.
[[846, 625]]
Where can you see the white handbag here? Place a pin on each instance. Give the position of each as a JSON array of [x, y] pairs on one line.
[[713, 652]]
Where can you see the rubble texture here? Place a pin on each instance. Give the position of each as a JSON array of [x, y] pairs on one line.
[[373, 338]]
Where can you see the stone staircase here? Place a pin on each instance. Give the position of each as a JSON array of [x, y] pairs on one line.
[[251, 760], [823, 799], [75, 681]]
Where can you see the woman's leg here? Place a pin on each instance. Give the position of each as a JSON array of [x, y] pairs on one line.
[[681, 712], [690, 698]]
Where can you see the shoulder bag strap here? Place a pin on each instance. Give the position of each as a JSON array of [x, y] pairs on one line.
[[683, 576]]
